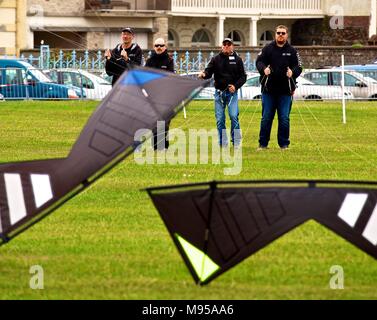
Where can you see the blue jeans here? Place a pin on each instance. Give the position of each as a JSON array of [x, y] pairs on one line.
[[223, 99], [270, 104]]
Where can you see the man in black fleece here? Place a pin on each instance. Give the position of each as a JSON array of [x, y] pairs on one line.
[[279, 65], [123, 56], [160, 59], [229, 73]]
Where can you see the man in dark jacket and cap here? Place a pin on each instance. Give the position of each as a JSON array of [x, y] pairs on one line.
[[279, 65], [229, 74], [160, 59], [123, 56]]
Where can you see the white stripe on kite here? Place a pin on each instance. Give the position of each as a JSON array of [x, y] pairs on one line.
[[351, 208], [370, 231], [15, 196], [41, 188]]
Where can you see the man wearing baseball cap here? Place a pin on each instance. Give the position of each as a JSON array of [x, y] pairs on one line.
[[229, 73], [123, 55]]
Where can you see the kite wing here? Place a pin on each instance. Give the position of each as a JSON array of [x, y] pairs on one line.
[[141, 97], [220, 224]]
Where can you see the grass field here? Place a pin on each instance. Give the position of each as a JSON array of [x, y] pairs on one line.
[[110, 243]]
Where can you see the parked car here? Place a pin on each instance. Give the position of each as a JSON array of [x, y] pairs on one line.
[[92, 85], [306, 90], [360, 86], [367, 70], [20, 80]]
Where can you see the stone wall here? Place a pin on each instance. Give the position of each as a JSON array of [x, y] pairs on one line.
[[318, 32], [161, 27], [57, 7], [95, 40], [312, 57]]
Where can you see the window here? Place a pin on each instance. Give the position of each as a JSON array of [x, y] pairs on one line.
[[86, 82], [67, 80], [266, 38], [171, 39], [349, 80], [320, 78], [53, 75], [13, 76], [252, 82], [200, 39], [236, 37]]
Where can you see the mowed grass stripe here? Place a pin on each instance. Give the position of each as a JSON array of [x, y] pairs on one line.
[[110, 243]]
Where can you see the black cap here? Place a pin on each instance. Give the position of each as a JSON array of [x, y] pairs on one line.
[[228, 40], [128, 30]]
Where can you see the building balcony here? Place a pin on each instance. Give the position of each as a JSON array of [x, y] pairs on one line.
[[247, 7], [113, 6]]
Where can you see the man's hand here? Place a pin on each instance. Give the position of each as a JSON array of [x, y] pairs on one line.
[[108, 54], [232, 88], [267, 71], [201, 75], [289, 73], [124, 54]]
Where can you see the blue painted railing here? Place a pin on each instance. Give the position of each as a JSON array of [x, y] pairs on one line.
[[186, 62]]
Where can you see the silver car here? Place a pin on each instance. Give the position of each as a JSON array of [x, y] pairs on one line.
[[306, 90], [360, 86]]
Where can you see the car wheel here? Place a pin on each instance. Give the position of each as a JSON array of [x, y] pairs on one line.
[[313, 97]]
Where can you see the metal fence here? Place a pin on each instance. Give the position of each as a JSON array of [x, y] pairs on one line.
[[76, 76], [94, 61]]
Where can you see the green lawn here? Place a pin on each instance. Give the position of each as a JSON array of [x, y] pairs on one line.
[[110, 243]]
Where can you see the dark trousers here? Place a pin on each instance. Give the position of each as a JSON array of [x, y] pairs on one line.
[[160, 139], [270, 104]]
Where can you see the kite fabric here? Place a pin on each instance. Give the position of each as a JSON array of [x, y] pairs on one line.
[[31, 190], [217, 225]]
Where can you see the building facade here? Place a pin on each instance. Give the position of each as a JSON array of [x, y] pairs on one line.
[[252, 22], [12, 26], [96, 24]]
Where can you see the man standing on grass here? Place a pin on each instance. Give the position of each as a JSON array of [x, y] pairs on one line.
[[160, 59], [279, 65], [229, 73]]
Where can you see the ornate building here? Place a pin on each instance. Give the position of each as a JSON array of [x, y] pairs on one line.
[[96, 24]]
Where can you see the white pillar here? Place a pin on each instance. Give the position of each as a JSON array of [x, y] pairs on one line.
[[373, 18], [220, 30], [253, 40]]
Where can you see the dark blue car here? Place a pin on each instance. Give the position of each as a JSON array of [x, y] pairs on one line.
[[20, 80]]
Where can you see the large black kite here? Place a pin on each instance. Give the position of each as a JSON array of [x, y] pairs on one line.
[[217, 225], [31, 190]]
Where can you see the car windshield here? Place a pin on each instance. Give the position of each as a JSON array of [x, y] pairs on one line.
[[303, 81], [95, 78], [39, 75]]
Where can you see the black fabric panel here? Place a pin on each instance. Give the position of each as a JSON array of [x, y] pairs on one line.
[[244, 220], [107, 137]]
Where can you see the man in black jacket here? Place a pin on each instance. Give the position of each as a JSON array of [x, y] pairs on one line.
[[160, 59], [279, 65], [229, 73], [123, 56]]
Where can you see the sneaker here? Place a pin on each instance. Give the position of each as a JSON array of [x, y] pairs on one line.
[[283, 148], [262, 148]]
